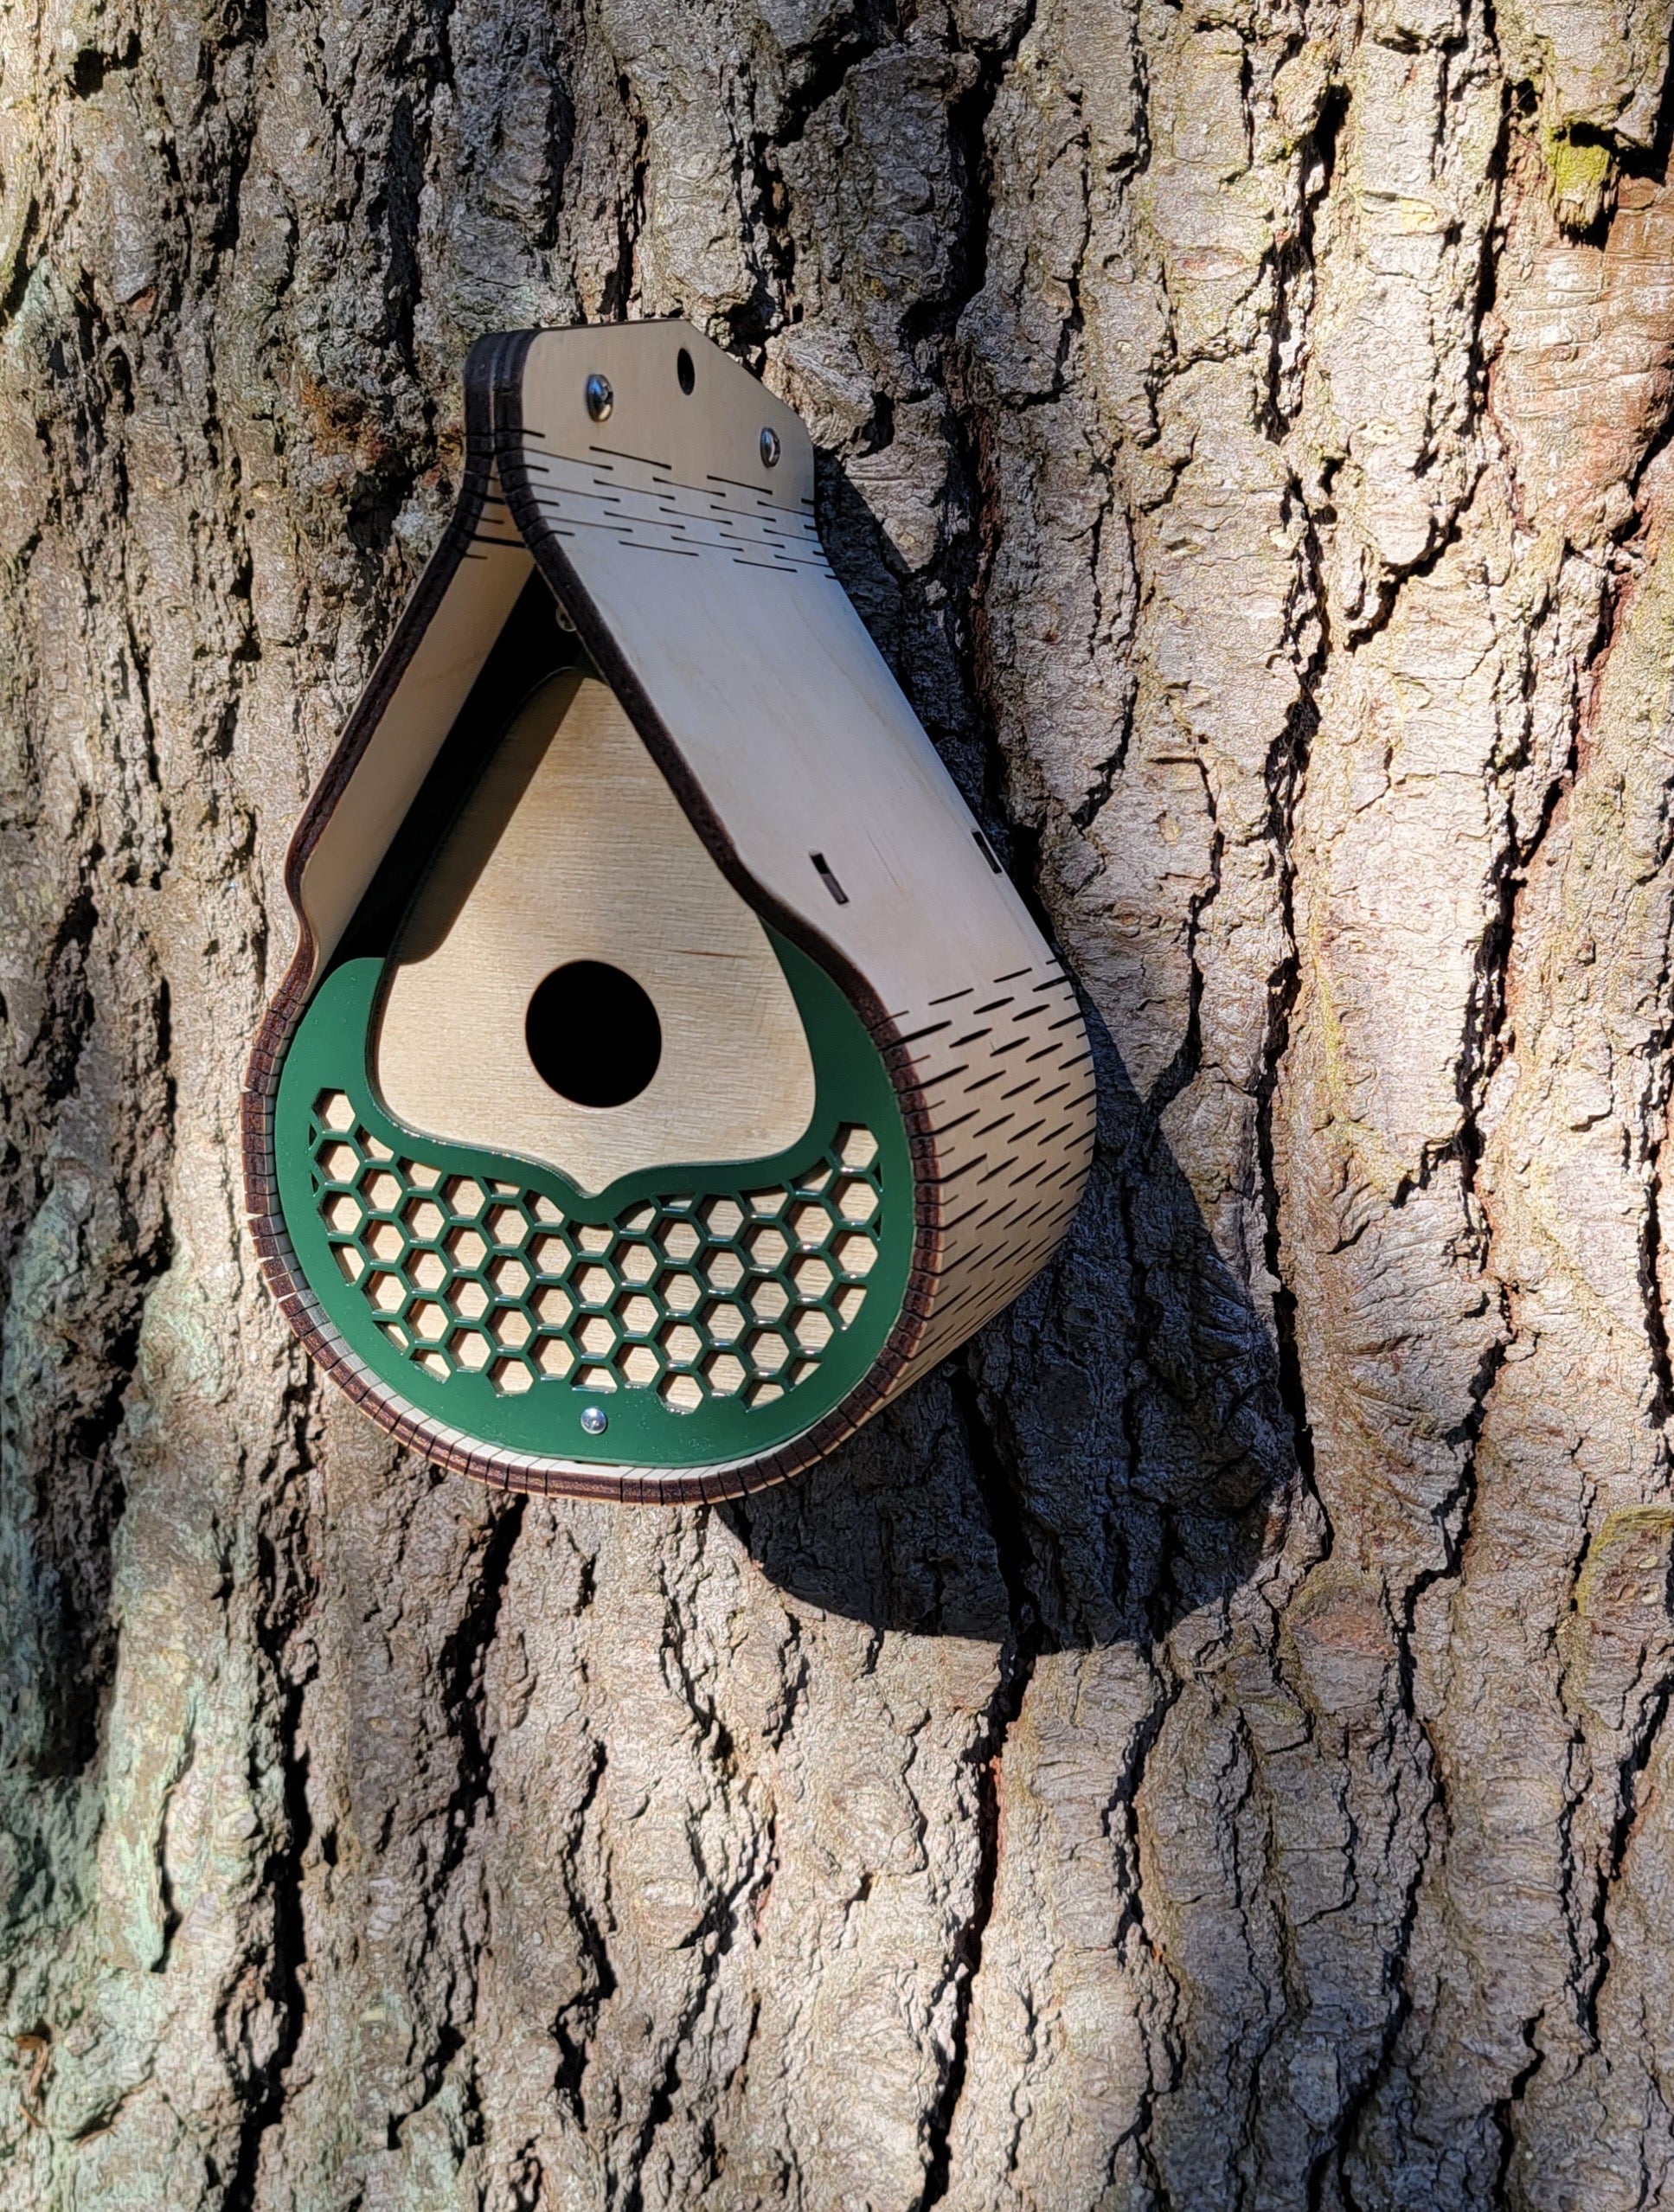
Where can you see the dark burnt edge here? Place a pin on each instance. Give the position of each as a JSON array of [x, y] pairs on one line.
[[493, 366], [531, 1471], [285, 1010], [432, 588]]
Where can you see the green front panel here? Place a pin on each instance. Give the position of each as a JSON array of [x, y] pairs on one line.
[[712, 1313]]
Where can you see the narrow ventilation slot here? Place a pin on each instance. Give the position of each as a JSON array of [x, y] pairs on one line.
[[828, 879]]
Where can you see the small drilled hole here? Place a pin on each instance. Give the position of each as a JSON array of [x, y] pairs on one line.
[[684, 371], [594, 1035]]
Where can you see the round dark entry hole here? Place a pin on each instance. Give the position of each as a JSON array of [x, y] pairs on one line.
[[684, 371], [592, 1035]]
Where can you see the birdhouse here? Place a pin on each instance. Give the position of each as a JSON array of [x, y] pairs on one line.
[[668, 1073]]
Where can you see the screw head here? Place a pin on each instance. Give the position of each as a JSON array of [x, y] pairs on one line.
[[601, 398], [594, 1420], [769, 448]]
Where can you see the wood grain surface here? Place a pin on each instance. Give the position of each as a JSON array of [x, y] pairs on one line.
[[573, 847]]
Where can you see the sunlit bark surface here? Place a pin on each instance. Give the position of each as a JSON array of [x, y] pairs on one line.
[[1208, 1747]]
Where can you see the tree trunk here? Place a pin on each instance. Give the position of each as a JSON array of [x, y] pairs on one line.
[[1207, 1747]]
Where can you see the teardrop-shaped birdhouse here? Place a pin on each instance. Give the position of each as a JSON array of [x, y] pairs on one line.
[[668, 1073]]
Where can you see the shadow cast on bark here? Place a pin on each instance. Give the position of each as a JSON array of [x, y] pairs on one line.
[[1111, 1452]]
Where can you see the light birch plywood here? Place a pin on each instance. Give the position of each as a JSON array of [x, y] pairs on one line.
[[409, 733], [573, 847], [707, 573]]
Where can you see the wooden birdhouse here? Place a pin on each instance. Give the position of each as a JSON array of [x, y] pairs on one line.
[[668, 1073]]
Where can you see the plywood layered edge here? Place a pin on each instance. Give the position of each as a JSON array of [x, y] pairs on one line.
[[970, 1257]]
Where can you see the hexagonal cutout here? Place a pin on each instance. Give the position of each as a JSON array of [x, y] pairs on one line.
[[817, 1178], [420, 1175], [396, 1334], [723, 1271], [640, 1218], [511, 1327], [466, 1248], [724, 1320], [509, 1276], [342, 1213], [679, 1292], [426, 1271], [725, 1374], [680, 1393], [766, 1205], [810, 1222], [429, 1320], [855, 1200], [384, 1242], [554, 1357], [768, 1350], [553, 1305], [424, 1219], [856, 1255], [640, 1366], [434, 1364], [550, 1255], [333, 1111], [596, 1335], [638, 1314], [546, 1210], [763, 1394], [812, 1329], [510, 1377], [381, 1191], [595, 1378], [722, 1217], [856, 1147], [766, 1248], [681, 1343], [848, 1304], [768, 1300], [374, 1147], [508, 1226], [350, 1261], [680, 1241], [463, 1196], [594, 1237], [468, 1299], [471, 1348], [594, 1285], [387, 1292], [635, 1263], [812, 1278], [340, 1162]]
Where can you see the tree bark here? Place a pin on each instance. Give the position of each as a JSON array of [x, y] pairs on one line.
[[1208, 1747]]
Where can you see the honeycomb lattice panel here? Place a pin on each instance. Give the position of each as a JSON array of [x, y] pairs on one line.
[[693, 1297]]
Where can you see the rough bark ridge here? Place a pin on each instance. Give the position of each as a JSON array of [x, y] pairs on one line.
[[1210, 1747]]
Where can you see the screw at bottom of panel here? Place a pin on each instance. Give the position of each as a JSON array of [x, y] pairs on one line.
[[594, 1420]]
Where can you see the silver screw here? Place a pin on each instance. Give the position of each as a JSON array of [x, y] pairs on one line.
[[601, 398], [769, 448], [594, 1420]]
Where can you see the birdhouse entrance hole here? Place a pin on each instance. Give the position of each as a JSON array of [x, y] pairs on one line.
[[593, 1034]]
